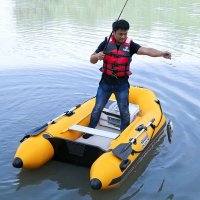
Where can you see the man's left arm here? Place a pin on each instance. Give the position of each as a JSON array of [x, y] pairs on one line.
[[153, 52]]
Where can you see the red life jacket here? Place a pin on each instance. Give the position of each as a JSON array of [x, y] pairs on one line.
[[116, 62]]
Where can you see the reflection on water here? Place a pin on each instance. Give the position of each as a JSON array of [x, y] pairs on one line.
[[75, 177], [44, 32]]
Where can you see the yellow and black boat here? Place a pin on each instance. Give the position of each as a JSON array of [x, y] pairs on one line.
[[110, 154]]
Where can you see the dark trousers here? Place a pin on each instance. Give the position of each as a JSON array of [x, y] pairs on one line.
[[107, 86]]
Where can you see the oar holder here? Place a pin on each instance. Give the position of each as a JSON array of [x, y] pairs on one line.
[[124, 150], [141, 127], [69, 113], [36, 131]]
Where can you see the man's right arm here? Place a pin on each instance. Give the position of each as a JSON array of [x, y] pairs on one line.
[[98, 54]]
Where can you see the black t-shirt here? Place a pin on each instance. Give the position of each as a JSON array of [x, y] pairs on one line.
[[133, 47]]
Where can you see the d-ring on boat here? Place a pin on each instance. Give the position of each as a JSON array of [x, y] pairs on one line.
[[110, 154]]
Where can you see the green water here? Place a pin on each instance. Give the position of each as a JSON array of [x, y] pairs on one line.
[[30, 28]]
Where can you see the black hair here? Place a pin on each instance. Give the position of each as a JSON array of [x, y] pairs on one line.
[[120, 24]]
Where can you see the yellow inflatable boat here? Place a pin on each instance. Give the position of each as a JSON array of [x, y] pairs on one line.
[[110, 154]]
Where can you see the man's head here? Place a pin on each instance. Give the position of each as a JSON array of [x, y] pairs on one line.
[[120, 30]]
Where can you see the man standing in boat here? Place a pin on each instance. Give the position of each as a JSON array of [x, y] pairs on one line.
[[116, 55]]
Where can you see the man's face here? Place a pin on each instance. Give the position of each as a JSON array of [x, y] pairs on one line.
[[120, 35]]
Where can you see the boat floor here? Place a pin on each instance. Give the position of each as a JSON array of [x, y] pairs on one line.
[[96, 140]]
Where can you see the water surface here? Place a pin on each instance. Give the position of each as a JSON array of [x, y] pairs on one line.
[[45, 70]]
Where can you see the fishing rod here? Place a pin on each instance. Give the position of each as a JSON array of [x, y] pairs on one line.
[[112, 30]]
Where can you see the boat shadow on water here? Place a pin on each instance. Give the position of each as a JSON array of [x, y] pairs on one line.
[[68, 176]]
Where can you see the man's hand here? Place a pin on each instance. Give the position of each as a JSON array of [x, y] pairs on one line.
[[100, 55], [167, 55], [97, 56]]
